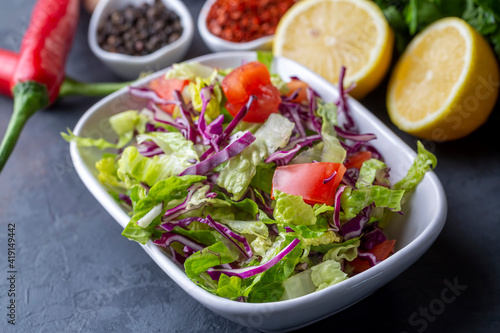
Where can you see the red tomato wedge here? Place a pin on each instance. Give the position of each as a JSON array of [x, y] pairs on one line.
[[307, 179], [165, 89], [356, 160], [295, 85], [381, 251], [252, 78]]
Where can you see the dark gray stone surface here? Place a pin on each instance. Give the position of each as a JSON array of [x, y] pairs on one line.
[[76, 273]]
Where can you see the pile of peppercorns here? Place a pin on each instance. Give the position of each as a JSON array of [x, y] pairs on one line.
[[140, 30]]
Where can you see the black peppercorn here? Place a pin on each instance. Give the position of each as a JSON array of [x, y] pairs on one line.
[[139, 30]]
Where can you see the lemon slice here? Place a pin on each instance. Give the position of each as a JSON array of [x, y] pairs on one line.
[[324, 35], [445, 84]]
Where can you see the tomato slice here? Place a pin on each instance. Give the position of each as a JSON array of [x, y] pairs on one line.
[[356, 160], [252, 78], [381, 252], [307, 179], [165, 89], [296, 85]]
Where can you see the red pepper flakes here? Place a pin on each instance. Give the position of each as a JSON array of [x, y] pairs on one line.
[[246, 20]]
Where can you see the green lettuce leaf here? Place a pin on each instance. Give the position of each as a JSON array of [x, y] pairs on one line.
[[161, 192], [324, 248], [347, 252], [238, 173], [134, 168], [353, 201], [263, 178], [268, 286], [371, 170], [199, 262], [292, 210], [124, 124], [189, 71], [229, 287], [327, 274], [298, 285], [424, 162], [213, 107], [108, 167], [309, 155], [332, 149]]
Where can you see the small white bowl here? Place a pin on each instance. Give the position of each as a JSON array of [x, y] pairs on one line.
[[130, 67], [217, 44], [425, 211]]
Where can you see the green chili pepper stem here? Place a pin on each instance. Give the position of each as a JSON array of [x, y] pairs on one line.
[[71, 87], [29, 97]]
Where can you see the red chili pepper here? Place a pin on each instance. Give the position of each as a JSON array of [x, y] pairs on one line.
[[37, 79], [69, 87], [40, 70], [8, 59]]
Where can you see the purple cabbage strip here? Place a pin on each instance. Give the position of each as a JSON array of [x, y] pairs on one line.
[[351, 150], [296, 119], [350, 177], [125, 198], [342, 101], [354, 137], [311, 96], [375, 153], [206, 96], [372, 238], [159, 113], [189, 132], [329, 179], [177, 211], [354, 227], [284, 157], [247, 272], [149, 149], [168, 238], [367, 256], [229, 129], [336, 212], [288, 229], [149, 94], [220, 228], [220, 157]]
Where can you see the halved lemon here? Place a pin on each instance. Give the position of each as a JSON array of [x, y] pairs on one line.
[[324, 35], [445, 85]]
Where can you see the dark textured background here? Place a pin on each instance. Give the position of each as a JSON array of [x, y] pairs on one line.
[[78, 274]]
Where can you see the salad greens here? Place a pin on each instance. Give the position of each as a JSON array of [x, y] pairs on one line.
[[408, 17], [201, 184]]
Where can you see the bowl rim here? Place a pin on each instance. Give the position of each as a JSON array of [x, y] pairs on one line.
[[423, 240], [210, 38], [98, 16]]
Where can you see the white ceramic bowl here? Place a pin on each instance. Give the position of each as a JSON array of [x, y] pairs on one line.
[[425, 212], [129, 67], [217, 44]]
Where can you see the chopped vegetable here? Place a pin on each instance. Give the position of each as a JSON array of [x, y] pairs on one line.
[[253, 212]]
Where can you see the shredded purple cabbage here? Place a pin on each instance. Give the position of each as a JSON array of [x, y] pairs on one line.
[[354, 227], [372, 238], [147, 93], [353, 136], [220, 228], [247, 272], [336, 212], [284, 157], [233, 149]]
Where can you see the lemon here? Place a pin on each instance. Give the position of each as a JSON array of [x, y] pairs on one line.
[[445, 85], [324, 35]]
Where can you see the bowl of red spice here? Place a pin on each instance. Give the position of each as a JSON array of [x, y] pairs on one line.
[[135, 36], [241, 25]]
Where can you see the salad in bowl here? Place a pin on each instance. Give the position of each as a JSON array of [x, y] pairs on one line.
[[258, 188]]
